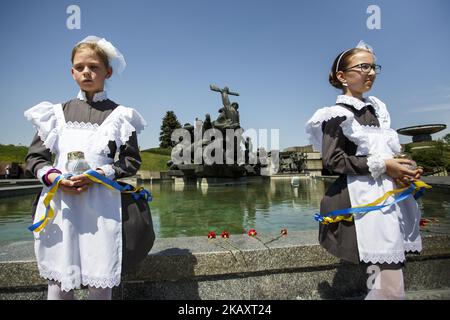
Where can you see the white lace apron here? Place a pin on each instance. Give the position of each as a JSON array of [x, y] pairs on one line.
[[82, 245], [382, 235]]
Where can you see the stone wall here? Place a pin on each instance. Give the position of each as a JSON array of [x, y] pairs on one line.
[[295, 267]]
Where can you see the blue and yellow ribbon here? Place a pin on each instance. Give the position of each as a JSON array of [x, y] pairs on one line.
[[96, 178], [416, 189], [49, 213]]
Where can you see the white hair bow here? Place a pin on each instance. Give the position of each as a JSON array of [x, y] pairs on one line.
[[362, 45], [115, 58]]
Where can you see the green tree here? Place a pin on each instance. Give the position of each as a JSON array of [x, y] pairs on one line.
[[446, 138], [440, 146], [169, 124], [407, 148], [428, 158]]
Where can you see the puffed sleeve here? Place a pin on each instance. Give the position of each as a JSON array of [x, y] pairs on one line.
[[39, 158], [44, 119], [334, 157], [122, 135]]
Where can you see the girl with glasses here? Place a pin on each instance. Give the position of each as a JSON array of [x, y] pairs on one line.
[[358, 146]]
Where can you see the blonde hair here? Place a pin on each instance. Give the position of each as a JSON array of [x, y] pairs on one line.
[[94, 47]]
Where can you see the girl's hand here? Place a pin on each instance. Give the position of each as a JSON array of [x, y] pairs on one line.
[[66, 185], [81, 182], [74, 185], [396, 169], [419, 173]]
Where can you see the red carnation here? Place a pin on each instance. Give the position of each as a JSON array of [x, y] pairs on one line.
[[424, 222], [211, 235], [283, 233], [252, 232], [225, 234]]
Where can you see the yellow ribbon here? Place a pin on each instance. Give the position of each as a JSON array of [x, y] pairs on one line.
[[417, 183], [49, 213], [93, 176]]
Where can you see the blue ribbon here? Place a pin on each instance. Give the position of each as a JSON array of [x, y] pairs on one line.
[[139, 193], [143, 193], [405, 194]]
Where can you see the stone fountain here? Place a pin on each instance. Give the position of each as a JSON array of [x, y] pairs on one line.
[[423, 132]]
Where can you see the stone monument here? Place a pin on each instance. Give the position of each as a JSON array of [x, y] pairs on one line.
[[235, 162]]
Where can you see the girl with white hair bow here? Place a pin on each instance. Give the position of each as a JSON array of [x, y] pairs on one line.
[[82, 244]]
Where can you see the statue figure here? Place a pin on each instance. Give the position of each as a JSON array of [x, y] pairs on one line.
[[228, 115], [228, 118]]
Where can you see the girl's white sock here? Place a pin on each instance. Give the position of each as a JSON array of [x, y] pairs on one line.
[[389, 286], [55, 292], [99, 293]]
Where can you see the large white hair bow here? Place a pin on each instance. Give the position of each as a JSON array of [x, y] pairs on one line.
[[115, 58]]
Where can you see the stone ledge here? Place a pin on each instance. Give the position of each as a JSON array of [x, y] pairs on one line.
[[295, 267]]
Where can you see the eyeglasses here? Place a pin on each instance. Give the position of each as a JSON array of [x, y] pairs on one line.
[[366, 67]]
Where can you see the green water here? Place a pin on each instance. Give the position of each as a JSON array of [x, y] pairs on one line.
[[191, 211]]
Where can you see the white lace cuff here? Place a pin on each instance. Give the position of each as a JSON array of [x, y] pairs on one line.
[[376, 165], [108, 170]]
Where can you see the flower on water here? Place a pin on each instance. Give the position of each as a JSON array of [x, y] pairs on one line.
[[211, 235]]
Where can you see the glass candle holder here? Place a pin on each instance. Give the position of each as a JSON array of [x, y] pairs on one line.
[[403, 155], [76, 164]]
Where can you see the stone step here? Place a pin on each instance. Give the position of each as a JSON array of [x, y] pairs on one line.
[[430, 294], [295, 268], [15, 191], [438, 294]]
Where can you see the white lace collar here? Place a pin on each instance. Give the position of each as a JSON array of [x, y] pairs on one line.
[[354, 102], [99, 96]]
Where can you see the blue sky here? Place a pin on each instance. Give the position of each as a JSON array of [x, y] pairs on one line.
[[276, 54]]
